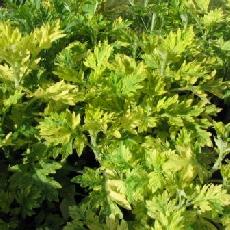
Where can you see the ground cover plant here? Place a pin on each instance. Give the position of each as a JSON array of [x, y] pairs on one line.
[[114, 114]]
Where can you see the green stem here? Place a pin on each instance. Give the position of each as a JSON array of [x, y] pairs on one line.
[[153, 22]]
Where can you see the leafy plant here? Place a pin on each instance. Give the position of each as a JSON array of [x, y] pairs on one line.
[[114, 114]]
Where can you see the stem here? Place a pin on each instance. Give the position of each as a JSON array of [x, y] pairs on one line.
[[153, 22], [144, 24], [95, 8], [146, 3], [217, 164]]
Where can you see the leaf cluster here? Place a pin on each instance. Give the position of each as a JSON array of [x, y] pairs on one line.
[[112, 114]]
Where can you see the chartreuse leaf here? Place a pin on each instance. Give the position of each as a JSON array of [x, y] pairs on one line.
[[203, 4], [60, 92], [213, 17], [20, 51], [58, 128], [111, 223], [222, 148], [226, 221], [189, 73], [136, 183], [184, 160], [116, 192], [46, 35], [225, 172], [97, 120], [63, 130], [102, 192], [176, 43], [6, 73], [69, 62], [98, 60], [184, 163], [128, 75], [120, 155], [80, 143], [168, 49], [210, 198], [166, 212], [13, 99]]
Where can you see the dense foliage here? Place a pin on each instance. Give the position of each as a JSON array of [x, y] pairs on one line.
[[115, 114]]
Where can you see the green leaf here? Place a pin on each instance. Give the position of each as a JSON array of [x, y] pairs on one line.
[[59, 128], [116, 192], [98, 60], [166, 212], [213, 17], [210, 198], [128, 77], [69, 62], [176, 42], [203, 4], [60, 92], [80, 143]]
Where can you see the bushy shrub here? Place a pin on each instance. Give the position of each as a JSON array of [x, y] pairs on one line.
[[114, 114]]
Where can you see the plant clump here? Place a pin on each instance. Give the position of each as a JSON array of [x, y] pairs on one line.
[[114, 115]]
